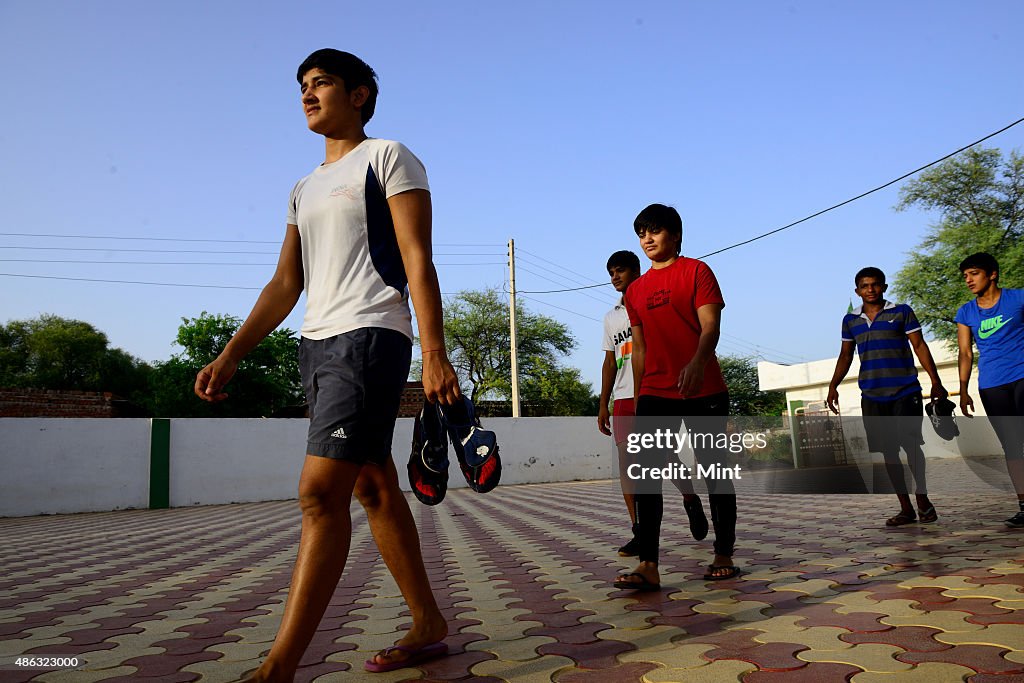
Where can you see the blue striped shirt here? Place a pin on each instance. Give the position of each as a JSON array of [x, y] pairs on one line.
[[887, 370]]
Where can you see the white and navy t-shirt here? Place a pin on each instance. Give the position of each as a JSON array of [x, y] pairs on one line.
[[618, 338], [354, 276]]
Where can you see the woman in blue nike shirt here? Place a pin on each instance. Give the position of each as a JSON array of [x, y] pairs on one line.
[[995, 320]]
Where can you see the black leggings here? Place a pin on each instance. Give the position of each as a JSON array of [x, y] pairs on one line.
[[713, 411], [1005, 408]]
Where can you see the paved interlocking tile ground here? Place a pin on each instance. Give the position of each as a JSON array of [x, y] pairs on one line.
[[524, 576]]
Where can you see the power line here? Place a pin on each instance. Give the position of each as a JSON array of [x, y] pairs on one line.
[[759, 347], [559, 291], [535, 274], [733, 341], [467, 245], [196, 263], [727, 347], [863, 194], [120, 237], [814, 215], [547, 264], [127, 282], [467, 253], [135, 282], [185, 239], [557, 265], [157, 251], [558, 307], [561, 268], [203, 251], [134, 263], [560, 275], [735, 344]]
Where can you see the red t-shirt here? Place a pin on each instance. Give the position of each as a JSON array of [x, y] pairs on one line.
[[664, 303]]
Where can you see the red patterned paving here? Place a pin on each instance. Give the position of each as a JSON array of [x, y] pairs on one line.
[[547, 551], [984, 659]]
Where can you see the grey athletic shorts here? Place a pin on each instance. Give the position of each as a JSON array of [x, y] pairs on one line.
[[354, 384]]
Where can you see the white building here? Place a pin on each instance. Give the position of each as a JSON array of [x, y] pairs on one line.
[[806, 387], [806, 384]]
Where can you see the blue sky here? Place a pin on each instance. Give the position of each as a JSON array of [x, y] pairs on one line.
[[552, 123]]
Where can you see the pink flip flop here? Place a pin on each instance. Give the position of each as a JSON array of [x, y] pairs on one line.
[[415, 656]]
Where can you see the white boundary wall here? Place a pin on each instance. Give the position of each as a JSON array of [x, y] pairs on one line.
[[808, 382], [235, 460], [57, 465]]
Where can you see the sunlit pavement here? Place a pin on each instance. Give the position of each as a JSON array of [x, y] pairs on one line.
[[524, 575]]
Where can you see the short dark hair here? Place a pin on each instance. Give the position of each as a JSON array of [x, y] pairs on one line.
[[983, 261], [353, 71], [660, 216], [624, 259], [870, 271]]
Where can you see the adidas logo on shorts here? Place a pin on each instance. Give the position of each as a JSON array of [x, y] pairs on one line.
[[339, 433]]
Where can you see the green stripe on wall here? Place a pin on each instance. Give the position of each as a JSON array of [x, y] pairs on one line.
[[160, 464]]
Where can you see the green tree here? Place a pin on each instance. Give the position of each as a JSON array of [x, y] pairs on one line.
[[744, 396], [50, 352], [266, 381], [559, 391], [979, 196], [476, 329]]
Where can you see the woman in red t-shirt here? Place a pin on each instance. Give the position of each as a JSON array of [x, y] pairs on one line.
[[675, 310]]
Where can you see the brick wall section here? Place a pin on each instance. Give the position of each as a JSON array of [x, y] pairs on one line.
[[53, 403], [412, 400]]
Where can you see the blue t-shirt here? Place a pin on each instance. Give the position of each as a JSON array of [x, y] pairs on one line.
[[999, 334]]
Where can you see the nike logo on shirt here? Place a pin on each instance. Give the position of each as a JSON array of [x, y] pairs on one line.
[[991, 326]]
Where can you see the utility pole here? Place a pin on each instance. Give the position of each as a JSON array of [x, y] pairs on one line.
[[512, 324]]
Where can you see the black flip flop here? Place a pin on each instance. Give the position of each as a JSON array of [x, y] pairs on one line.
[[698, 521], [902, 519], [642, 585], [733, 572], [413, 656], [428, 460]]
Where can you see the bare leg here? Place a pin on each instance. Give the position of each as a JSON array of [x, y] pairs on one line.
[[894, 470], [905, 505], [925, 508], [625, 483], [325, 492], [915, 460], [631, 506], [1015, 466], [394, 530]]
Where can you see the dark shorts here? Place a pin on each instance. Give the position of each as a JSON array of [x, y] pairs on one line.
[[623, 415], [891, 425], [354, 384]]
